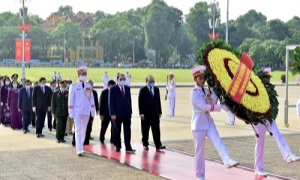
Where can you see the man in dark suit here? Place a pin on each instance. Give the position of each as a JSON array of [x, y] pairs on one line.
[[120, 110], [25, 104], [53, 88], [150, 113], [41, 104], [104, 112]]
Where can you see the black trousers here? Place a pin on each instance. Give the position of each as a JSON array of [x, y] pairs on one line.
[[26, 119], [104, 125], [33, 118], [54, 123], [49, 116], [154, 124], [61, 123], [40, 120], [117, 125]]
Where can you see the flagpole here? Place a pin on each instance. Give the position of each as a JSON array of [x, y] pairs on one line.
[[23, 40]]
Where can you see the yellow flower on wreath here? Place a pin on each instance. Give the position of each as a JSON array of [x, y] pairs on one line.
[[217, 59]]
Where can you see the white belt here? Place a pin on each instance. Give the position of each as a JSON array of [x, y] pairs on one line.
[[201, 111]]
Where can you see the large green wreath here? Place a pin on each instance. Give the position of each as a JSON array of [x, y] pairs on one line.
[[238, 109]]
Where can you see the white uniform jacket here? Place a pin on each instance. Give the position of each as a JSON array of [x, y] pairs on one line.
[[171, 89], [81, 101], [201, 119]]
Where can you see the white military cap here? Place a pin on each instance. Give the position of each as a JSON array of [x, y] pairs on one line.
[[199, 70], [81, 69]]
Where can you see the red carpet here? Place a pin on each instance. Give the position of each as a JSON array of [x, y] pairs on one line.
[[171, 164]]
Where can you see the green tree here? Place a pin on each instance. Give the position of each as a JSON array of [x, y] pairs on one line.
[[117, 36], [8, 34], [276, 29], [197, 21], [67, 34], [39, 41], [161, 23], [65, 10]]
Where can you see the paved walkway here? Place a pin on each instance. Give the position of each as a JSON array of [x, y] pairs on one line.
[[173, 129]]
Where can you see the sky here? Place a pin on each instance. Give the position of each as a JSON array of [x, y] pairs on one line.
[[273, 9]]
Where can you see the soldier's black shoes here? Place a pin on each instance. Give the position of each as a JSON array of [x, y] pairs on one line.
[[40, 135], [160, 148], [146, 148], [118, 149], [130, 150], [63, 141]]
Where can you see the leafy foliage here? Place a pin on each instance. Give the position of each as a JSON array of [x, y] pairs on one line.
[[295, 61]]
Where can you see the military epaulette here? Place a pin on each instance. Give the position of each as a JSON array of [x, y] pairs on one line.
[[56, 91]]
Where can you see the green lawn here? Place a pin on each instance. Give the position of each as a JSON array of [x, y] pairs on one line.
[[138, 75]]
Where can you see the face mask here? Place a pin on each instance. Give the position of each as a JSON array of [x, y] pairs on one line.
[[151, 84], [121, 83], [43, 84], [62, 89], [82, 78], [15, 85], [7, 83], [53, 88]]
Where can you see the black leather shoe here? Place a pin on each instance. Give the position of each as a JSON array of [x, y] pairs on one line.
[[160, 147], [146, 148], [58, 141], [38, 136], [42, 135], [63, 141], [25, 132], [102, 142], [118, 149], [50, 130], [91, 138], [130, 150]]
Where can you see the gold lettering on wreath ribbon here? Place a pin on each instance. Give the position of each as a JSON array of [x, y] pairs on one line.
[[241, 79]]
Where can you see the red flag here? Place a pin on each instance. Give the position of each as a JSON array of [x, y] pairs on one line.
[[18, 52], [27, 50]]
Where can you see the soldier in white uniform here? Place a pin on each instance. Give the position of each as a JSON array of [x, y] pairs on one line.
[[202, 124], [231, 118], [285, 151], [128, 79], [105, 80], [171, 94], [117, 77], [81, 105]]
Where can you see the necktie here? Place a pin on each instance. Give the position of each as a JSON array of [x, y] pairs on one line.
[[83, 85], [151, 92], [203, 90], [123, 92]]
